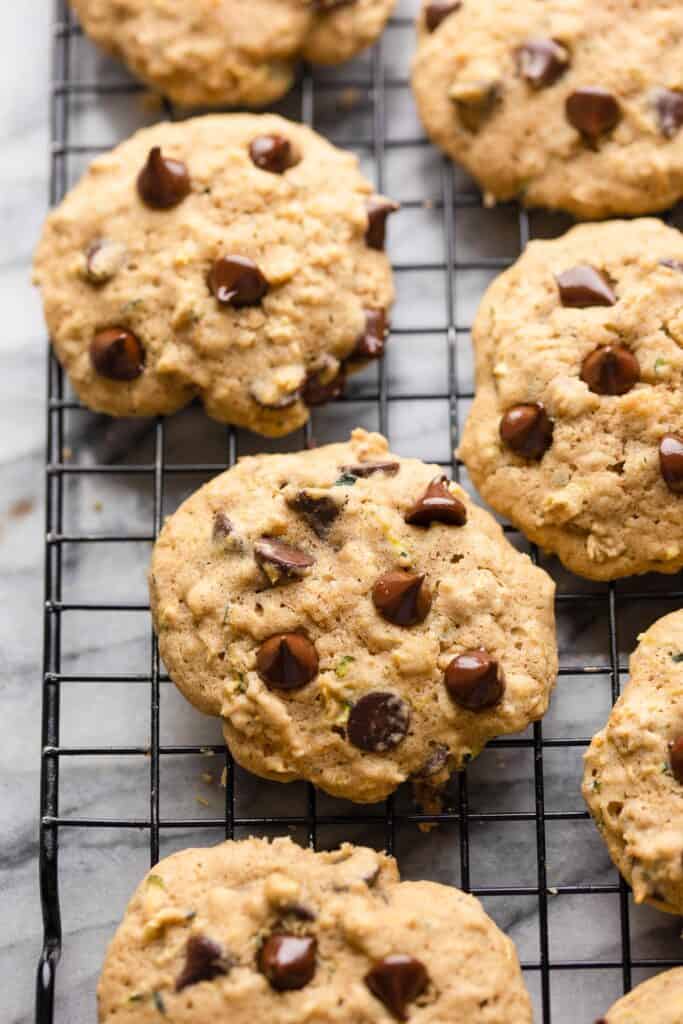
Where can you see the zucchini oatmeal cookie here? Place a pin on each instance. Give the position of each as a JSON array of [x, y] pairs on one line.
[[354, 618], [270, 932], [657, 1001], [560, 103], [576, 431], [633, 777], [230, 52], [237, 257]]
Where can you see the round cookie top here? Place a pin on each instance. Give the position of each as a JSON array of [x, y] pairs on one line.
[[657, 1001], [576, 431], [633, 778], [237, 257], [256, 931], [576, 105], [230, 52], [354, 618]]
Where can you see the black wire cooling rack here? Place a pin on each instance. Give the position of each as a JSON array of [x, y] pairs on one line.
[[631, 605]]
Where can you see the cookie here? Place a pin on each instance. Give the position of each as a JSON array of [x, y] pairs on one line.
[[234, 53], [576, 431], [235, 257], [633, 778], [354, 618], [573, 105], [257, 931], [657, 1001]]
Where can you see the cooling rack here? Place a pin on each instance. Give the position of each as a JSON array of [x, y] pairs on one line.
[[514, 830]]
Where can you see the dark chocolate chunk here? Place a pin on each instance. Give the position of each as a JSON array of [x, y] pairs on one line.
[[402, 598], [474, 680], [397, 981], [610, 370], [237, 281], [287, 661], [117, 354], [378, 722], [162, 182], [279, 560], [273, 153], [288, 961], [676, 758], [592, 111], [379, 209], [669, 107], [527, 430], [583, 286], [319, 511], [438, 10], [437, 505], [671, 462], [204, 961], [541, 62], [222, 526], [436, 761], [370, 344]]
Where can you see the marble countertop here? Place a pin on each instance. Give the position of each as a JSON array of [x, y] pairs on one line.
[[100, 866]]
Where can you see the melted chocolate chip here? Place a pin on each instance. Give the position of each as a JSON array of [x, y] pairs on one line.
[[288, 961], [287, 661], [474, 680], [237, 281], [117, 354], [204, 961], [583, 286], [378, 722], [365, 469], [437, 505], [402, 598], [222, 526], [671, 462], [279, 560], [592, 111], [527, 430], [438, 10], [273, 153], [669, 107], [397, 981], [676, 759], [162, 182], [436, 761], [379, 210], [370, 344], [319, 511], [541, 62], [610, 370]]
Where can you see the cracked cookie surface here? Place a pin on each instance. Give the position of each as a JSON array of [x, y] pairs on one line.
[[264, 931], [230, 52], [234, 257], [633, 777], [355, 620], [576, 431], [561, 103]]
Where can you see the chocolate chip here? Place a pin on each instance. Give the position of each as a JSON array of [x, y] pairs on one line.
[[103, 260], [437, 505], [438, 11], [316, 392], [237, 281], [287, 661], [222, 526], [669, 107], [162, 182], [402, 598], [204, 961], [672, 264], [379, 209], [671, 462], [279, 560], [117, 354], [527, 430], [365, 469], [288, 961], [583, 286], [370, 344], [436, 761], [474, 680], [541, 62], [610, 370], [397, 981], [378, 722], [676, 759], [592, 111], [273, 153], [319, 511]]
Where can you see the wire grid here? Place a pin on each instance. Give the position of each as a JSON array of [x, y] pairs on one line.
[[67, 86]]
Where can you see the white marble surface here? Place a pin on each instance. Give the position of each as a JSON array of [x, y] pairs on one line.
[[99, 867]]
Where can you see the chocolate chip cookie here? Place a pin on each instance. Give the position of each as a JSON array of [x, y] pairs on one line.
[[353, 617], [657, 1001], [236, 257], [633, 778], [230, 52], [258, 931], [572, 105], [576, 431]]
